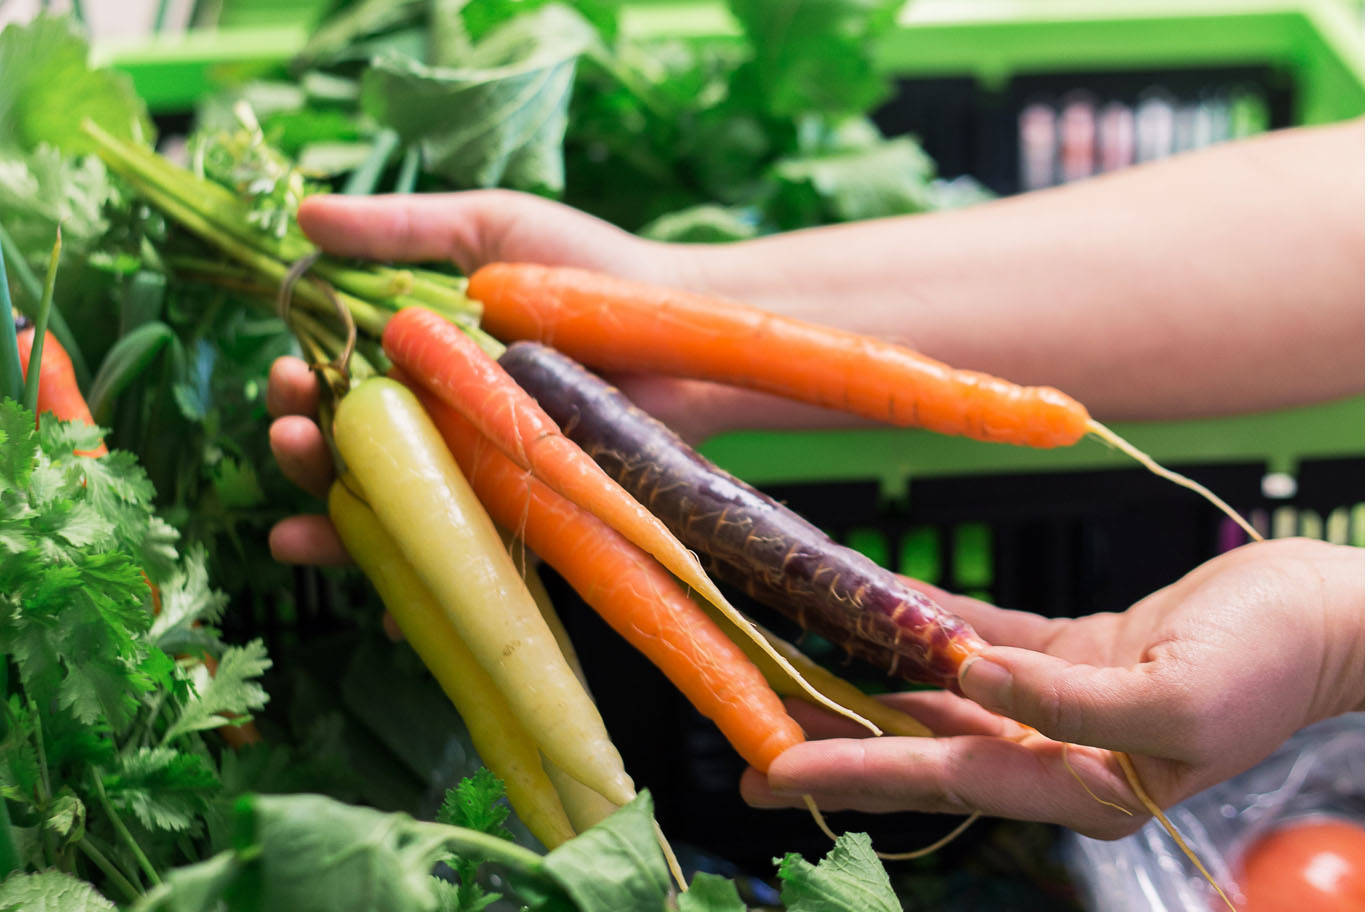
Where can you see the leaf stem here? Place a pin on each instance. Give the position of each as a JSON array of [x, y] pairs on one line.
[[40, 325], [44, 776], [122, 830], [11, 374], [363, 180], [131, 893]]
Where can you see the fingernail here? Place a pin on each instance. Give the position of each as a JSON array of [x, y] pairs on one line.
[[986, 683]]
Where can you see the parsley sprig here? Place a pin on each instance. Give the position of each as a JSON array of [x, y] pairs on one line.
[[105, 628]]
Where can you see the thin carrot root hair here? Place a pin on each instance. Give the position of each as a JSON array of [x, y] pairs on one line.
[[1137, 787], [1133, 779], [1111, 438], [1064, 755], [936, 846], [671, 861]]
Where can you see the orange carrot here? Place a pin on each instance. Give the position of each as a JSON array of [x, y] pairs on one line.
[[442, 359], [57, 389], [618, 324], [629, 590]]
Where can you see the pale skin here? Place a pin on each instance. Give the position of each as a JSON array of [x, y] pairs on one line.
[[1222, 281]]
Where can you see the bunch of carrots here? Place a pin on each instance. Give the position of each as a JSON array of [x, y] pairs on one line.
[[487, 421]]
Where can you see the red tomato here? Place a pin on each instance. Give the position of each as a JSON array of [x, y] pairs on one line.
[[1312, 865]]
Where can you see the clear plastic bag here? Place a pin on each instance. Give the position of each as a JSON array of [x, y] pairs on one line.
[[1318, 771]]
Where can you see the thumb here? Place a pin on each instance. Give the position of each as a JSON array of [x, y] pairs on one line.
[[469, 228], [394, 227], [1116, 708]]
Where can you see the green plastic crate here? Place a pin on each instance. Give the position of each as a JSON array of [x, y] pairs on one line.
[[1319, 42]]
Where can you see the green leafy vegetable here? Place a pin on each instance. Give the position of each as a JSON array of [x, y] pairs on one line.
[[47, 88], [616, 864], [849, 879], [50, 891], [499, 118], [711, 893], [101, 761]]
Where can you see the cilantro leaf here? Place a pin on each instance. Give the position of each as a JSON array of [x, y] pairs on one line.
[[849, 879], [50, 891], [186, 601], [476, 803], [18, 445], [163, 788], [229, 691]]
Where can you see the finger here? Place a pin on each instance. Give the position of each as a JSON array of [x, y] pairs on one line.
[[307, 540], [470, 228], [407, 227], [958, 775], [1136, 709], [939, 710], [291, 389], [302, 454]]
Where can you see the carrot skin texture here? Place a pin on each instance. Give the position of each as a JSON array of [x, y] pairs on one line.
[[58, 392], [499, 739], [611, 323], [636, 596], [781, 558], [445, 361], [408, 477]]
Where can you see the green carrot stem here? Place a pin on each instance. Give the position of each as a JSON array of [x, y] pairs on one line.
[[408, 170], [459, 283], [11, 373], [364, 179], [131, 893], [40, 325], [377, 283], [367, 316], [123, 832], [330, 343], [212, 206], [214, 203]]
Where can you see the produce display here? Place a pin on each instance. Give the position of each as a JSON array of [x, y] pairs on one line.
[[131, 765]]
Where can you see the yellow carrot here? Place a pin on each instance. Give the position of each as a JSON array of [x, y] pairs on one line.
[[410, 480], [503, 745]]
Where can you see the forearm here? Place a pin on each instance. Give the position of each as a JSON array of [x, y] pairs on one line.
[[1216, 282]]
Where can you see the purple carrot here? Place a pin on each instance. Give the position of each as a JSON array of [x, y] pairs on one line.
[[751, 540]]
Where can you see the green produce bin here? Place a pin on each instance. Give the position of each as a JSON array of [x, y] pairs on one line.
[[1309, 51]]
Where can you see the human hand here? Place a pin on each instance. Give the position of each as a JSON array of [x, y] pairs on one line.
[[1197, 682], [470, 229]]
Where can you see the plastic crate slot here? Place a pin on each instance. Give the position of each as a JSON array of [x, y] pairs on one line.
[[919, 554], [872, 543], [973, 560]]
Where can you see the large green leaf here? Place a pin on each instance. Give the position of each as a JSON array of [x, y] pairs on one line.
[[50, 891], [615, 864], [500, 118], [849, 879], [47, 89], [814, 55]]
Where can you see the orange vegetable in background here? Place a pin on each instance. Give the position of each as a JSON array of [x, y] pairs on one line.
[[1311, 865], [57, 389]]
